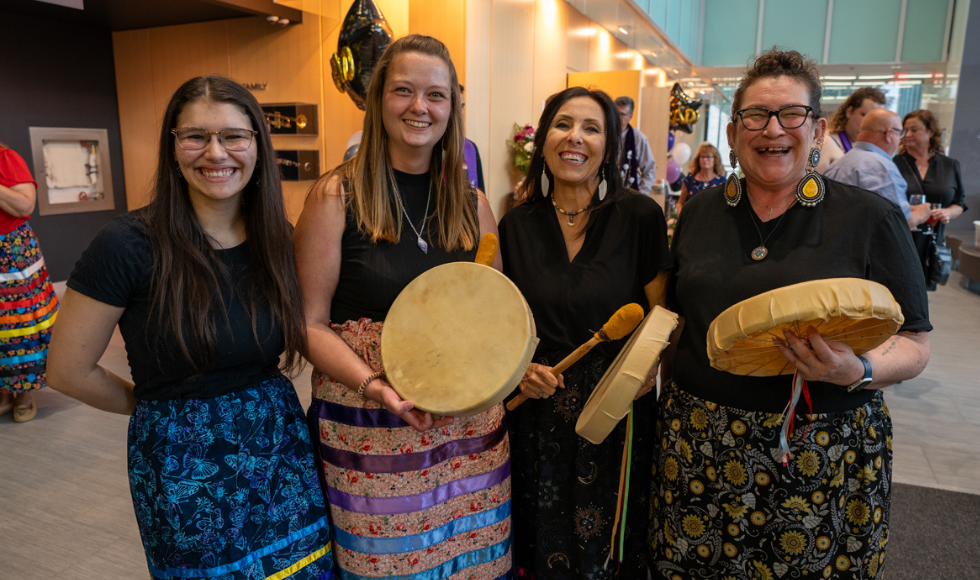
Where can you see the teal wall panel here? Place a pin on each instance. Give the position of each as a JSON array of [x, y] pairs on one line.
[[658, 11], [683, 38], [925, 26], [796, 24], [674, 19], [730, 32], [865, 31]]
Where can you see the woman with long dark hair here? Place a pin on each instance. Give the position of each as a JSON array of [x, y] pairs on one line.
[[203, 286], [411, 497], [579, 246]]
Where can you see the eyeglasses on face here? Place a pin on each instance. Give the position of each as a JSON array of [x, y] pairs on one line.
[[195, 138], [901, 132], [757, 118]]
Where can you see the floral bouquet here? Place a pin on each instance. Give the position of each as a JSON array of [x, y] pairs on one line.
[[523, 146]]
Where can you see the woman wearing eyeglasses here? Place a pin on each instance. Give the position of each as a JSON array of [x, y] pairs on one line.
[[725, 505], [706, 171], [202, 284]]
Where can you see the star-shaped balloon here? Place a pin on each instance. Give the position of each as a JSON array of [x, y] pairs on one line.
[[364, 36], [683, 110]]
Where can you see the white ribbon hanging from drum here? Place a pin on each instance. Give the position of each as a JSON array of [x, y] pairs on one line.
[[860, 313], [610, 400], [458, 339]]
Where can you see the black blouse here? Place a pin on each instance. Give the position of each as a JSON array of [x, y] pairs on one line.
[[942, 184], [623, 251], [851, 233], [372, 275]]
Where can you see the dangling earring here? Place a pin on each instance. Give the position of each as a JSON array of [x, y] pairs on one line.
[[811, 190], [733, 187], [603, 183], [179, 174], [545, 184]]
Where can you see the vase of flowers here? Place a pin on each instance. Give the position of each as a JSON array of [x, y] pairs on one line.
[[523, 146]]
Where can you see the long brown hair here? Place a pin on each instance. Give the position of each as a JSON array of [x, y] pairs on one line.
[[372, 193], [931, 123], [187, 272], [705, 147], [839, 120]]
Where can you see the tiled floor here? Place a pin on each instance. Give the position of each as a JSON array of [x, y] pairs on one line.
[[65, 510]]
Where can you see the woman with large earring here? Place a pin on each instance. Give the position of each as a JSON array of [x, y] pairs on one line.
[[579, 246], [724, 503], [411, 496], [203, 287]]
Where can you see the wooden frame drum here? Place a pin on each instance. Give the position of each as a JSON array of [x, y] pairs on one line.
[[458, 339]]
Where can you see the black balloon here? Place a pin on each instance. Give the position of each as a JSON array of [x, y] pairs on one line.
[[364, 36], [683, 110]]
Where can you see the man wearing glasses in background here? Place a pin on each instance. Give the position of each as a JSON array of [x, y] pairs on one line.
[[636, 161], [869, 163]]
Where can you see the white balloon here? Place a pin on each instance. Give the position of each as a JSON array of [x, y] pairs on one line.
[[681, 153], [355, 139]]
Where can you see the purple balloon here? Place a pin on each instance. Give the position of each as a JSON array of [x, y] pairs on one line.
[[673, 171], [670, 141]]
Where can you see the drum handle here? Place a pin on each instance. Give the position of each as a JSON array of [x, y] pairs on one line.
[[487, 251], [558, 369]]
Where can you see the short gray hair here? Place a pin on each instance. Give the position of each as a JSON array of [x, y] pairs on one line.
[[625, 102]]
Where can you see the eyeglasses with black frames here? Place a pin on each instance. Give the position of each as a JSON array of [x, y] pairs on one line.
[[195, 138], [757, 118], [901, 132]]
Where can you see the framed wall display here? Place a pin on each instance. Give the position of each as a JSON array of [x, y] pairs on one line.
[[71, 167], [298, 165], [290, 118]]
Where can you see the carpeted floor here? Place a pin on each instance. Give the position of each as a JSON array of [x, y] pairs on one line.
[[933, 534]]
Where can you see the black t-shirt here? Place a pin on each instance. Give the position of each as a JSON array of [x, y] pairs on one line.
[[942, 184], [623, 251], [372, 275], [851, 233], [116, 269]]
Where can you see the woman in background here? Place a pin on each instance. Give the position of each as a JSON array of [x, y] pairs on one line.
[[706, 170], [845, 124], [202, 283], [28, 304]]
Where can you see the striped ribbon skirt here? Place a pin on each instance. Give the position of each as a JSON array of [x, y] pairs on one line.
[[28, 308], [226, 488], [405, 504]]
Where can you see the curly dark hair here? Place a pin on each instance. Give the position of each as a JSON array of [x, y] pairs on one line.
[[839, 120], [782, 63], [928, 119]]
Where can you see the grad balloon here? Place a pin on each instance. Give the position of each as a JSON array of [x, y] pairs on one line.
[[364, 36], [683, 111], [670, 141]]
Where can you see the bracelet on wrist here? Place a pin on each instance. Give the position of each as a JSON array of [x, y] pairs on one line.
[[370, 378]]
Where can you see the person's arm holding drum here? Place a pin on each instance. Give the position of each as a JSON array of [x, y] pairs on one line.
[[317, 240]]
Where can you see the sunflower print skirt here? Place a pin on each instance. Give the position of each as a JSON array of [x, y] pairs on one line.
[[725, 508], [28, 308], [226, 488]]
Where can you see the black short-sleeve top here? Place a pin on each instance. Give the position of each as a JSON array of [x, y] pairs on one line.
[[373, 274], [851, 233], [117, 268], [623, 251], [942, 184]]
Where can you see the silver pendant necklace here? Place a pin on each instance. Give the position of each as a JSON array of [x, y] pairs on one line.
[[418, 232], [761, 252]]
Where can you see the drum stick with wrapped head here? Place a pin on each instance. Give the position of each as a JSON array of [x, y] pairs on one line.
[[487, 251], [619, 325]]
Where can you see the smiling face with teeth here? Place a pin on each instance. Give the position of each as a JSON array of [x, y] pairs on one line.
[[416, 107], [575, 144], [774, 159], [214, 174]]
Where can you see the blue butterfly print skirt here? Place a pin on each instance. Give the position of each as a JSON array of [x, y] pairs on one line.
[[226, 488]]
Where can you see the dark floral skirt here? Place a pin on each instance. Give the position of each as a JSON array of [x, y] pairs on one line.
[[725, 507], [28, 308], [226, 488], [566, 489]]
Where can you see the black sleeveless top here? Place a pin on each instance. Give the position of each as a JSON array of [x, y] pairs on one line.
[[372, 275]]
